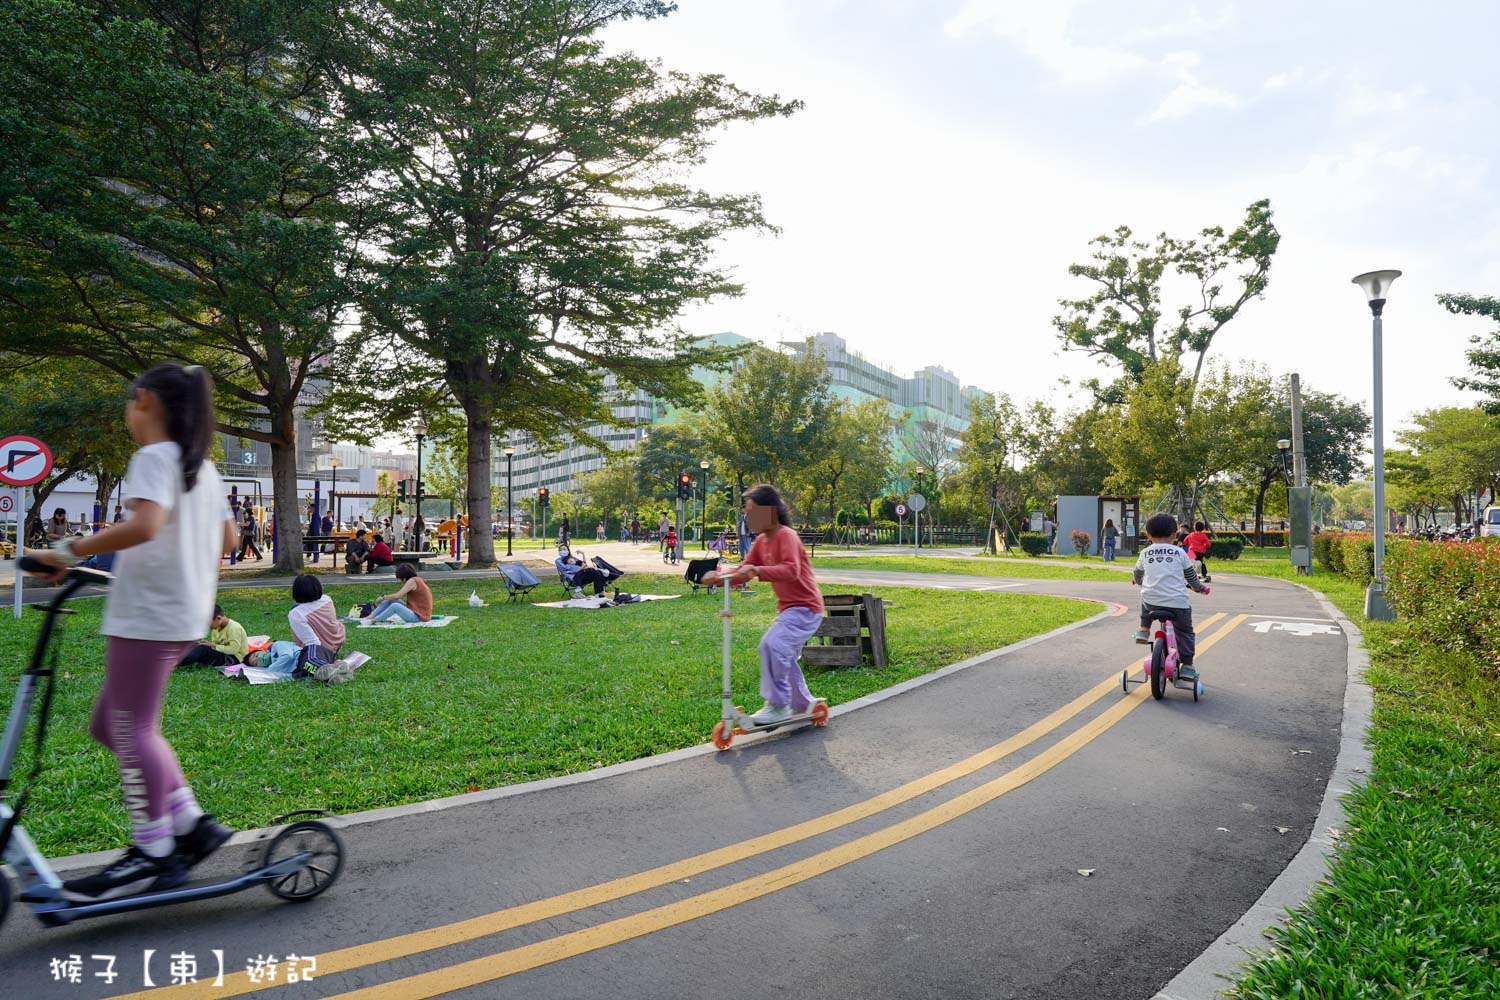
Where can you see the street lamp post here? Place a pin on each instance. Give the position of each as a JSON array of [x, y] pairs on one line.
[[333, 495], [421, 429], [703, 511], [510, 519], [1375, 285]]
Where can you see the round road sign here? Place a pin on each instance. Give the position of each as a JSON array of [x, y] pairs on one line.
[[917, 502], [23, 460], [7, 503], [901, 510]]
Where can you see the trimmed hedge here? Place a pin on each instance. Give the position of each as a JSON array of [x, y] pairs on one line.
[[1034, 544], [1450, 592], [1225, 548], [1351, 555]]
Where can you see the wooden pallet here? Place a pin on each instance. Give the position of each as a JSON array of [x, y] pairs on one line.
[[852, 633]]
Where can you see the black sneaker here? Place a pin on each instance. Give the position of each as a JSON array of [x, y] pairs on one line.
[[207, 836], [133, 872]]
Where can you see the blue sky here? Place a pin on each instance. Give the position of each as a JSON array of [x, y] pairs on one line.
[[956, 155]]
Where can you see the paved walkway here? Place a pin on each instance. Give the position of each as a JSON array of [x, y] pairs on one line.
[[1017, 828]]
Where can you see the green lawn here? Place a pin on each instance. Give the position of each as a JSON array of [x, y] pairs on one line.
[[1021, 568], [507, 693], [1411, 905]]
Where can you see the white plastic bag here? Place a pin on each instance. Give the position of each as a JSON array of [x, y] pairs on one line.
[[474, 601]]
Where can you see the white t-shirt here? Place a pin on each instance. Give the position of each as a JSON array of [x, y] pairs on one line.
[[164, 589], [1161, 570]]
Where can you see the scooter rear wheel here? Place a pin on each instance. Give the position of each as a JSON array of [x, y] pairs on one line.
[[323, 868], [819, 714], [723, 735]]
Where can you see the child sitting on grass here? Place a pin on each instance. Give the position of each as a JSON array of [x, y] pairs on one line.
[[1164, 573], [227, 643]]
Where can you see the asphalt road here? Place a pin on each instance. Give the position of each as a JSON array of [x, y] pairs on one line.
[[930, 845]]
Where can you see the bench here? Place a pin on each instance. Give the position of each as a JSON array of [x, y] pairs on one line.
[[810, 540]]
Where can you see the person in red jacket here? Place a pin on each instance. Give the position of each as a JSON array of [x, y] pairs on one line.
[[380, 553], [1197, 544], [777, 557]]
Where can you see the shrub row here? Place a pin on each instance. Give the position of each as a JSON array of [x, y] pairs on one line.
[[1351, 555], [1225, 548], [1450, 592]]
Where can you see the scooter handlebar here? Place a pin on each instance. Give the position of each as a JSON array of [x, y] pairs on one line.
[[81, 574]]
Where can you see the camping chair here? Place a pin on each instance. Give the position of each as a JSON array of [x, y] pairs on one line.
[[518, 580], [695, 570]]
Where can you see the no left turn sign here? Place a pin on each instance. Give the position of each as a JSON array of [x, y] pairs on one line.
[[23, 460]]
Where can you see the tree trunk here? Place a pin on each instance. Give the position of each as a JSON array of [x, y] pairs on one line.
[[39, 494], [1260, 504], [480, 421], [104, 485], [284, 490]]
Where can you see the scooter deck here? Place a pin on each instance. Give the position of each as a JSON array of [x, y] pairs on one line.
[[61, 911]]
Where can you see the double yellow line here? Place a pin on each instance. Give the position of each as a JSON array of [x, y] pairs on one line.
[[512, 961]]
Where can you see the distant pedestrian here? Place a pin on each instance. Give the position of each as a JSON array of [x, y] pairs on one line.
[[564, 530], [635, 529], [1110, 534], [247, 533], [599, 531]]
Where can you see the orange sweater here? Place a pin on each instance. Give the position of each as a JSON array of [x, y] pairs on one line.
[[783, 564]]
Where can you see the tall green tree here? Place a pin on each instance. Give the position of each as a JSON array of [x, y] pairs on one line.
[[667, 450], [532, 238], [1484, 355], [770, 417], [1459, 449], [855, 468], [175, 184], [74, 408], [1171, 435], [1124, 322], [1334, 430]]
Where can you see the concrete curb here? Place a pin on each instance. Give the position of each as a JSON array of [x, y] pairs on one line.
[[97, 858], [1219, 965]]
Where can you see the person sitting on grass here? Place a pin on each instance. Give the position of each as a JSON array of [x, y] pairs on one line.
[[357, 554], [316, 629], [227, 643], [411, 603], [380, 553], [579, 574], [1165, 574]]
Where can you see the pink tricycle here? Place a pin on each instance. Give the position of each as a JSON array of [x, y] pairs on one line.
[[1160, 666]]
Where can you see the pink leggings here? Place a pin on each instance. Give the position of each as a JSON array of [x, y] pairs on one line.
[[127, 719]]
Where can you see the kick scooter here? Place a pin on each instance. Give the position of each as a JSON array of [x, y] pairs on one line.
[[300, 861], [736, 721]]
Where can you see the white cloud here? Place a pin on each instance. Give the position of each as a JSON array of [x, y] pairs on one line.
[[1041, 31], [1281, 81], [1189, 94], [1363, 100]]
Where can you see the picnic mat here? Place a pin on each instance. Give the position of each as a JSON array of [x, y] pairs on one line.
[[593, 603], [259, 675], [438, 621]]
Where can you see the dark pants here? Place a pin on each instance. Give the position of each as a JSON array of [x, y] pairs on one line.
[[206, 654], [247, 544], [588, 576], [354, 567], [1182, 624], [377, 561]]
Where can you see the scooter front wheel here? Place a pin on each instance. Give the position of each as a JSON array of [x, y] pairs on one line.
[[723, 735], [323, 868], [819, 715]]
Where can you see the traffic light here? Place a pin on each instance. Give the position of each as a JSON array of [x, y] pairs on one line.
[[684, 485], [420, 490], [729, 494], [543, 495], [401, 491]]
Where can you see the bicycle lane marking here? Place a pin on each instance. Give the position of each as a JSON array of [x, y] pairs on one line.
[[565, 946], [416, 942]]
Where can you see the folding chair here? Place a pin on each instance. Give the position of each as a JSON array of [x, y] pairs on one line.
[[518, 580], [695, 570]]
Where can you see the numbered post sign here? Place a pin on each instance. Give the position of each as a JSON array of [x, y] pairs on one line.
[[23, 460], [901, 510], [7, 503]]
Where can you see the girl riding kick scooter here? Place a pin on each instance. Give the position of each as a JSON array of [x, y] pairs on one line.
[[301, 860]]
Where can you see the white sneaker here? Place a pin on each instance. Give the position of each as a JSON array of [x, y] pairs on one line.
[[577, 592], [771, 713]]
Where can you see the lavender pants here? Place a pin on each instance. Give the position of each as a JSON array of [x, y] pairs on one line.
[[127, 720], [781, 680]]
